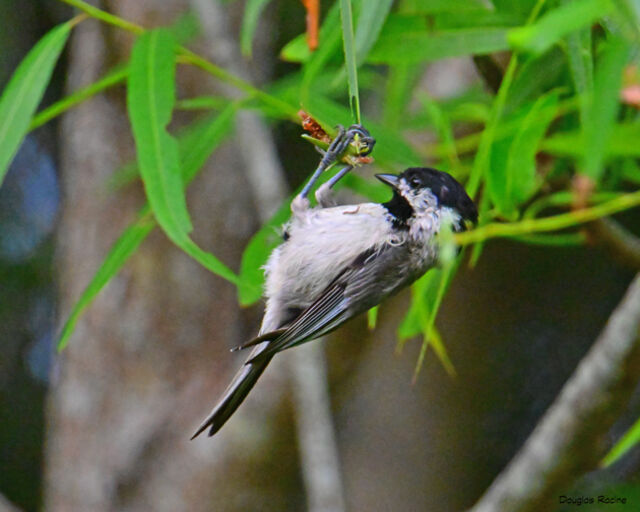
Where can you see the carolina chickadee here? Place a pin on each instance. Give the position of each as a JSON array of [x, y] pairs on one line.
[[338, 261]]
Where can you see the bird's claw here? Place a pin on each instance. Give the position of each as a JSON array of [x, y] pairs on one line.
[[357, 136]]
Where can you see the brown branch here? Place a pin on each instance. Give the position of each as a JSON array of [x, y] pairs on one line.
[[568, 441]]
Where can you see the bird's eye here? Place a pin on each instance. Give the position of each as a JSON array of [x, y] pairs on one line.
[[415, 182]]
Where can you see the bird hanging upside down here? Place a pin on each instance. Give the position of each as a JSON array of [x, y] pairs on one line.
[[339, 261]]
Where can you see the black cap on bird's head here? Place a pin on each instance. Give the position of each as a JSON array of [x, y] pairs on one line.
[[442, 185]]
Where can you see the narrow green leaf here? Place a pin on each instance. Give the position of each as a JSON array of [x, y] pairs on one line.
[[512, 175], [372, 318], [483, 155], [349, 47], [24, 91], [536, 76], [556, 24], [123, 248], [604, 105], [150, 101], [196, 142], [427, 294], [423, 293], [521, 162], [421, 46], [368, 27], [435, 342], [581, 66], [252, 11], [194, 154], [626, 442]]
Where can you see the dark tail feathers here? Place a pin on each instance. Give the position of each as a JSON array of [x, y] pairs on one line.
[[235, 393]]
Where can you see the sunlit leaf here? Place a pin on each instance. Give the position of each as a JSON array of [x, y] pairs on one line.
[[24, 91]]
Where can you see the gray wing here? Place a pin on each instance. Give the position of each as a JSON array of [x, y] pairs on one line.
[[369, 278]]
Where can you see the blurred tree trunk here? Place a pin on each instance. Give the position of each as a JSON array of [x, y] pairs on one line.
[[148, 359]]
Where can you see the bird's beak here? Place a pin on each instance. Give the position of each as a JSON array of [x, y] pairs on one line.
[[391, 180]]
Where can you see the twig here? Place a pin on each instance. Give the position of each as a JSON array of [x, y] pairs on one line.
[[314, 422], [568, 441], [188, 56], [553, 223]]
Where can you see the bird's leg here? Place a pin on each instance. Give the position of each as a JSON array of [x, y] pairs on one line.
[[337, 147], [324, 196], [333, 152]]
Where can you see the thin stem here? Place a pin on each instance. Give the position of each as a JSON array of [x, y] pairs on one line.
[[346, 16], [192, 58], [101, 15], [188, 56], [59, 107], [554, 223]]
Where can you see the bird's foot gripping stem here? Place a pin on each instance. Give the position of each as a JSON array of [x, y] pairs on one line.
[[356, 136]]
